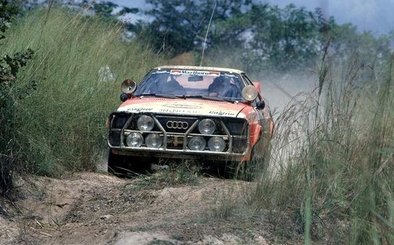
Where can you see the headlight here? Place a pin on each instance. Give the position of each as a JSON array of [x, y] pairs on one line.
[[197, 143], [145, 123], [206, 126], [216, 144], [154, 141], [134, 140]]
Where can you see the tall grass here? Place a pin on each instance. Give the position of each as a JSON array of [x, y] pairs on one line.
[[60, 125], [333, 160]]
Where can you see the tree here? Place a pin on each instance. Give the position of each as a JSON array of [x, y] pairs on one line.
[[259, 36], [180, 26], [283, 38], [266, 36]]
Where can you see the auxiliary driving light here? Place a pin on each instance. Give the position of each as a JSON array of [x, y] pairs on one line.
[[206, 126], [145, 123], [134, 140], [249, 93], [154, 141], [197, 143], [216, 144]]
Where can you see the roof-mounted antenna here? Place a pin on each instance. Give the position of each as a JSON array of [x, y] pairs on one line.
[[204, 44]]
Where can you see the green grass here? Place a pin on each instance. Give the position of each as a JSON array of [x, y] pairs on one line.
[[331, 174], [61, 124], [333, 159], [330, 178]]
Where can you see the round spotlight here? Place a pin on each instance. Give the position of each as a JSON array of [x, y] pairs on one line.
[[249, 93], [134, 140], [197, 143], [216, 144], [206, 126], [145, 123], [154, 141], [128, 86]]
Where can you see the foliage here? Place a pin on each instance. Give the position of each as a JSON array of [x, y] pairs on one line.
[[333, 160], [9, 68], [107, 9], [78, 65], [332, 155], [180, 26], [283, 38], [251, 35], [269, 33], [246, 34]]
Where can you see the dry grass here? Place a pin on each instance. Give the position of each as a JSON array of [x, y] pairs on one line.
[[78, 66], [331, 167]]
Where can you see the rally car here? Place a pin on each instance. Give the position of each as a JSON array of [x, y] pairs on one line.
[[210, 114]]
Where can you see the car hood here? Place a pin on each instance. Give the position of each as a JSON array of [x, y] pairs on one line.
[[192, 107]]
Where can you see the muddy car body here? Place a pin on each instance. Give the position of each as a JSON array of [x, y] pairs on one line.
[[189, 112]]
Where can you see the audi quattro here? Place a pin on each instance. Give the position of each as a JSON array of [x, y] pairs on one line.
[[188, 112]]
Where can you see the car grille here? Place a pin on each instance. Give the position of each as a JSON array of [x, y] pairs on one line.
[[176, 124], [178, 131]]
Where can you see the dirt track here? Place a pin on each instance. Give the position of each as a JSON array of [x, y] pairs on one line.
[[97, 208], [94, 208]]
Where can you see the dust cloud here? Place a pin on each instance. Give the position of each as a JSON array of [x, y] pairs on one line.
[[282, 90], [288, 96]]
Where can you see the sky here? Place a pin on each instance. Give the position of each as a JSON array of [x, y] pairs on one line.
[[376, 16]]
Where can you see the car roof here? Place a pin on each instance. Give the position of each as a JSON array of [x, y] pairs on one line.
[[230, 70]]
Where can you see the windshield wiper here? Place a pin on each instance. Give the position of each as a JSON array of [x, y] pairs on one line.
[[200, 97], [159, 95]]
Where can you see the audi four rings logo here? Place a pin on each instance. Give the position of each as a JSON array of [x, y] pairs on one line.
[[177, 124]]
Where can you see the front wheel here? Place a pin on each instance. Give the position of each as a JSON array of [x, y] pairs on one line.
[[121, 165], [250, 170]]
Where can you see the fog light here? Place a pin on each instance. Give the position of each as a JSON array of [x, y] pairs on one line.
[[154, 141], [197, 143], [216, 144], [134, 140]]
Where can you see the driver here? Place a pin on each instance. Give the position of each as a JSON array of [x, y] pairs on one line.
[[167, 84], [223, 87]]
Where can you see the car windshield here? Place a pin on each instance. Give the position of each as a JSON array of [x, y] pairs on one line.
[[192, 83]]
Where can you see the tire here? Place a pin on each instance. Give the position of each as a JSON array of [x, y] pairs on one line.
[[232, 169], [251, 169], [128, 166]]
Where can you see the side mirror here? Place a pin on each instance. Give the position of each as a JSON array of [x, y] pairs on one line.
[[260, 105], [124, 97]]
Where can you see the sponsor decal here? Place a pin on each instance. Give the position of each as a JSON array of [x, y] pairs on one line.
[[159, 72], [195, 73], [139, 109], [177, 111], [222, 113], [182, 106]]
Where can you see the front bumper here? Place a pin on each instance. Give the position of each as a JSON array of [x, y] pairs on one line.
[[175, 143], [171, 154]]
